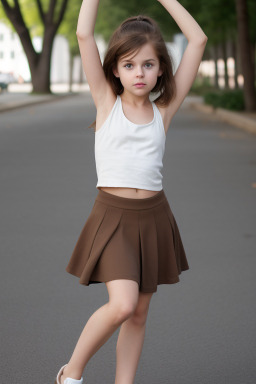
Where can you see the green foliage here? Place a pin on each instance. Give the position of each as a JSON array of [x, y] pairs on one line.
[[109, 17], [69, 24], [201, 85], [233, 100], [217, 18], [252, 19], [30, 15], [111, 13], [4, 19], [34, 23]]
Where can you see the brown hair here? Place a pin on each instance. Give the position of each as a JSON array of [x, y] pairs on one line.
[[128, 38]]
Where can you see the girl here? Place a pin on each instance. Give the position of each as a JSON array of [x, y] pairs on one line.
[[131, 240]]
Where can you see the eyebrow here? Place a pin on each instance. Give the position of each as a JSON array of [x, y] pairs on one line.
[[124, 61]]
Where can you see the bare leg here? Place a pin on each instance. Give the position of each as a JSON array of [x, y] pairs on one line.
[[123, 299], [130, 341]]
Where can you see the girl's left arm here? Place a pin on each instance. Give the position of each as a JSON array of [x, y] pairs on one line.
[[191, 59]]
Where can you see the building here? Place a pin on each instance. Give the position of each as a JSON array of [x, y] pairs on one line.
[[13, 59]]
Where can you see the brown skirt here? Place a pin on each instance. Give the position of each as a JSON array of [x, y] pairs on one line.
[[126, 238]]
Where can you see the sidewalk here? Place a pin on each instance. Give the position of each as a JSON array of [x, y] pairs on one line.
[[243, 120], [18, 95]]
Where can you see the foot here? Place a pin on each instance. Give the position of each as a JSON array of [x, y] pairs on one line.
[[66, 375]]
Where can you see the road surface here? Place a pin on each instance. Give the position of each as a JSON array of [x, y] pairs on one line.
[[199, 331]]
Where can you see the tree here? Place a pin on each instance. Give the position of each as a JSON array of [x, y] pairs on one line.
[[68, 29], [218, 20], [39, 62], [246, 53]]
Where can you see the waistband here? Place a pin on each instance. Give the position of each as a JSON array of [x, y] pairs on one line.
[[130, 203]]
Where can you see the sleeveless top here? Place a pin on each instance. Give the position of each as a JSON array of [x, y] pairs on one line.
[[128, 154]]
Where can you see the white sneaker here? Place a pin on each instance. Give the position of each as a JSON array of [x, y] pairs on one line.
[[68, 380]]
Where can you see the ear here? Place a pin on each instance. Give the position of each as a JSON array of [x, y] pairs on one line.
[[115, 71], [160, 72]]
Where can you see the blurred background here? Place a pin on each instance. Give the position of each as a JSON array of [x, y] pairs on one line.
[[39, 37], [200, 331]]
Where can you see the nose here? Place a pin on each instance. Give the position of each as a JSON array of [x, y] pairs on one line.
[[140, 72]]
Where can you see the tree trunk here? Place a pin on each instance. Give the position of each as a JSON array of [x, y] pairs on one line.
[[40, 73], [253, 53], [39, 63], [234, 55], [245, 49], [71, 62], [224, 56], [254, 56], [216, 76]]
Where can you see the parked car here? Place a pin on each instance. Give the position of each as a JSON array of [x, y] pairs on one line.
[[5, 79]]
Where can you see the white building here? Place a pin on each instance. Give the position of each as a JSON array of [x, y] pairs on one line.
[[13, 59]]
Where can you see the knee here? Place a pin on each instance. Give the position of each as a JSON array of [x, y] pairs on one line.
[[139, 316], [122, 311]]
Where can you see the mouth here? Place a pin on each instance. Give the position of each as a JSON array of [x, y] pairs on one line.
[[139, 85]]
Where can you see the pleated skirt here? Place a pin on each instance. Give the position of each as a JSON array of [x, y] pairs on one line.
[[126, 238]]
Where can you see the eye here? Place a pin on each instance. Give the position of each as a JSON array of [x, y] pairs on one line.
[[127, 67], [149, 64]]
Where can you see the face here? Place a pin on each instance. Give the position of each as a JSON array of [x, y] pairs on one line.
[[138, 73]]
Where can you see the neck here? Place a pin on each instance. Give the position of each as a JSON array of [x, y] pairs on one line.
[[135, 100]]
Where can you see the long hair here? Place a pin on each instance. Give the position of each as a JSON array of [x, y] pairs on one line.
[[128, 38]]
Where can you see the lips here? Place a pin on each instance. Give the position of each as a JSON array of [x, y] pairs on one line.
[[139, 84]]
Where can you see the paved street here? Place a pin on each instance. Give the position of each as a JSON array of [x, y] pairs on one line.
[[199, 331]]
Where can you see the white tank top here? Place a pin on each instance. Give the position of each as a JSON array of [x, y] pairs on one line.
[[128, 154]]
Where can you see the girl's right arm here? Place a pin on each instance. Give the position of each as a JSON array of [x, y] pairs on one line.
[[89, 51]]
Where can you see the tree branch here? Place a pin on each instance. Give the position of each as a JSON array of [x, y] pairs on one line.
[[6, 6], [15, 16], [50, 13], [62, 12], [40, 9]]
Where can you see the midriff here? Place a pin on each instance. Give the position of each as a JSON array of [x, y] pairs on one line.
[[131, 193]]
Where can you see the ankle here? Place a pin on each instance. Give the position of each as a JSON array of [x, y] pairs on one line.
[[70, 372]]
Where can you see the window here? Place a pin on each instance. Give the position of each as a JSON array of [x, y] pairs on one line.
[[1, 55], [12, 54]]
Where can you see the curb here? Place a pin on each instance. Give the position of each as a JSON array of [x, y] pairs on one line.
[[37, 100], [235, 118]]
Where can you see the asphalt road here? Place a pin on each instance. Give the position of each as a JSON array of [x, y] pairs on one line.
[[200, 330]]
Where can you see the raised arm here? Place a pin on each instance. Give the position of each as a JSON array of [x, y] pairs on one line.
[[89, 51], [188, 67]]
